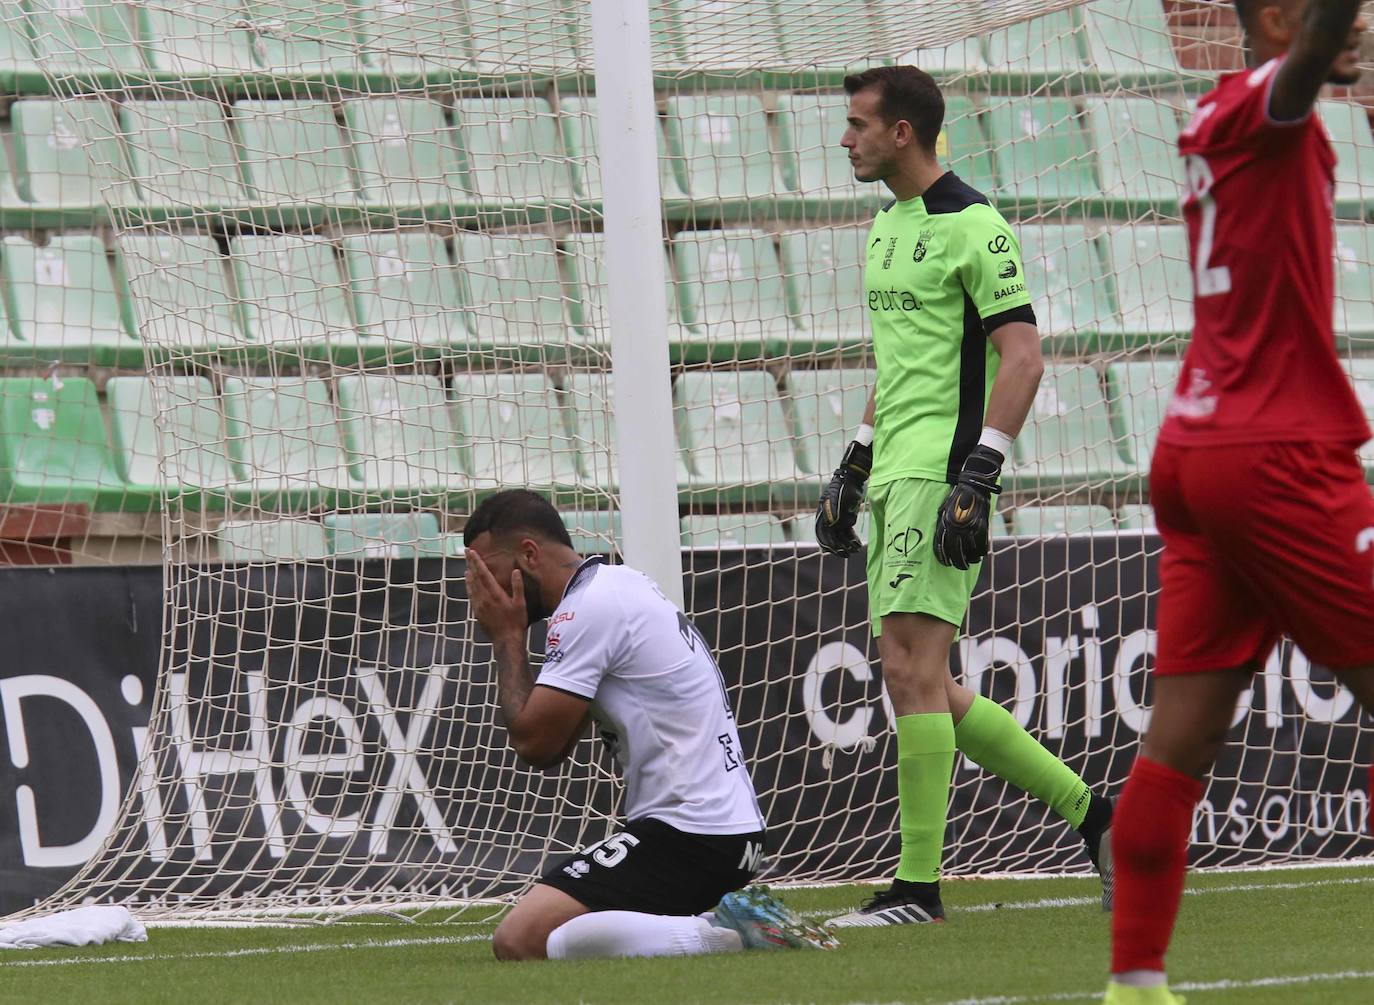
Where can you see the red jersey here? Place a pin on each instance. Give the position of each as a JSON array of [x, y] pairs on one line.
[[1262, 363]]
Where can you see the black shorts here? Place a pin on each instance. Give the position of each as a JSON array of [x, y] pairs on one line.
[[653, 868]]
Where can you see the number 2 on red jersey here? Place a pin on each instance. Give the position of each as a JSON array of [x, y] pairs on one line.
[[1210, 280]]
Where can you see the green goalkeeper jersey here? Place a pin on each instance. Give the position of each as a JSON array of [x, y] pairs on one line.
[[943, 271]]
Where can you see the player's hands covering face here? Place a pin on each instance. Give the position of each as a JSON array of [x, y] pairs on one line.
[[500, 612]]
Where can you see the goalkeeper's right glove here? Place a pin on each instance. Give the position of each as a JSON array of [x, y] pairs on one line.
[[840, 502]]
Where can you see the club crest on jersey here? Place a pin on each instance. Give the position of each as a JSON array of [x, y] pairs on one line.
[[922, 240], [1007, 270]]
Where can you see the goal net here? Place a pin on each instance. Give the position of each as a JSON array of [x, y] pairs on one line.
[[290, 287]]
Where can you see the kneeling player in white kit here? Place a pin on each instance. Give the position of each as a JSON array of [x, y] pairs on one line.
[[618, 651]]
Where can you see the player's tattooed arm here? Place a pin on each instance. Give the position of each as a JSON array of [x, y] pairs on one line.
[[514, 678], [1324, 33]]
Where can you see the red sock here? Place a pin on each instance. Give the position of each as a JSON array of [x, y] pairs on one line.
[[1150, 829]]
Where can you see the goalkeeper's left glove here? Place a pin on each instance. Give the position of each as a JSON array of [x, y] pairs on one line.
[[961, 527]]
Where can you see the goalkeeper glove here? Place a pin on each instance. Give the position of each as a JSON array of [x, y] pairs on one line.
[[840, 502], [961, 527]]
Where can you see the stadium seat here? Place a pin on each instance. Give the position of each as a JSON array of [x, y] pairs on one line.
[[383, 535], [194, 38], [404, 290], [62, 301], [505, 146], [586, 261], [283, 439], [1041, 151], [591, 410], [402, 151], [577, 117], [512, 35], [729, 285], [1137, 152], [808, 31], [732, 530], [828, 406], [53, 445], [1154, 285], [304, 37], [700, 29], [514, 431], [1137, 395], [1065, 275], [824, 272], [719, 143], [1136, 516], [416, 38], [293, 153], [814, 165], [1068, 437], [67, 154], [271, 541], [1052, 521], [181, 416], [82, 37], [1128, 41], [595, 531], [1362, 376], [399, 434], [292, 290], [1347, 123], [181, 154], [1354, 315], [963, 146], [732, 427], [957, 59], [1042, 49], [512, 288], [179, 292]]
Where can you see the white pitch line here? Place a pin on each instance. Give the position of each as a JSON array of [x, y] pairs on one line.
[[1226, 985], [307, 947]]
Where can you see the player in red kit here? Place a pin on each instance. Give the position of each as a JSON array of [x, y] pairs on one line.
[[1267, 522]]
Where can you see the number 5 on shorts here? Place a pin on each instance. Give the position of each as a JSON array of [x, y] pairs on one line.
[[611, 852]]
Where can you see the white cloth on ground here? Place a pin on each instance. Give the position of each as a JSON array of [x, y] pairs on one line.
[[83, 926]]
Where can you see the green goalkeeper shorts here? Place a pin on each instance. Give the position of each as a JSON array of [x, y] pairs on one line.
[[903, 575]]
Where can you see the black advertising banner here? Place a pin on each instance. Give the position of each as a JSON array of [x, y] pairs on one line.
[[333, 726]]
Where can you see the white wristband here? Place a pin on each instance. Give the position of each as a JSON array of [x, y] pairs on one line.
[[996, 439], [864, 435]]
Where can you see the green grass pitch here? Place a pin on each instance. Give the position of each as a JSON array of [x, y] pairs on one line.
[[1282, 937]]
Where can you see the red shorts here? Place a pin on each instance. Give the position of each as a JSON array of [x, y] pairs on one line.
[[1260, 541]]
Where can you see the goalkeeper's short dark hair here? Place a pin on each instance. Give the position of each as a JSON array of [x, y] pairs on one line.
[[904, 92], [513, 511]]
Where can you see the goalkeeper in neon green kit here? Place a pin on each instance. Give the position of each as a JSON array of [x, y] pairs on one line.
[[958, 359]]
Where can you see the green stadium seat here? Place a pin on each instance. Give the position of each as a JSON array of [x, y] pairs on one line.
[[292, 290], [711, 35], [1138, 393], [808, 31], [1067, 439], [1041, 151], [283, 439], [1362, 376], [578, 119], [179, 292], [1067, 280], [732, 530], [828, 406], [504, 146], [732, 427], [1137, 151], [293, 152], [957, 59], [1045, 48], [403, 289], [591, 413], [719, 143], [271, 541], [194, 38], [67, 154], [824, 270], [1053, 521], [190, 439], [384, 535], [82, 36], [1129, 41], [181, 154], [513, 36], [399, 434], [962, 145], [62, 302], [1354, 315], [402, 152], [515, 431], [16, 53], [586, 260], [1347, 123], [594, 531], [304, 37], [53, 445], [416, 38], [1154, 284], [512, 288], [729, 285], [814, 165], [1136, 516]]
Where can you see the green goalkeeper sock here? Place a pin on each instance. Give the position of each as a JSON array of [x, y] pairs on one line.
[[991, 737], [925, 761]]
